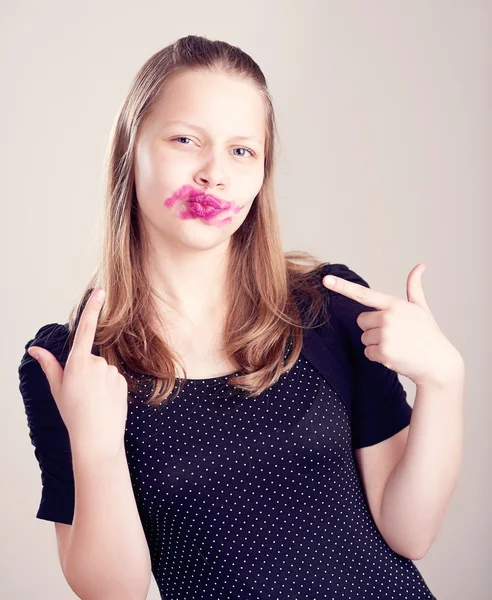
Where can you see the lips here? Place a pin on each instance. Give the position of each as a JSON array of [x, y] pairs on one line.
[[205, 200], [210, 203], [204, 209], [201, 205]]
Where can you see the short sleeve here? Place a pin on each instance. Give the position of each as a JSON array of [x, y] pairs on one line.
[[47, 431], [380, 408]]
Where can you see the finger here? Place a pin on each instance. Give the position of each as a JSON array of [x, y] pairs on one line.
[[86, 329], [50, 366], [362, 294], [370, 319]]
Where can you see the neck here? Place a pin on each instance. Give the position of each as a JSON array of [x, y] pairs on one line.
[[191, 286]]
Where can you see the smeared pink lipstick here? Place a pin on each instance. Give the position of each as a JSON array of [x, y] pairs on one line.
[[200, 205]]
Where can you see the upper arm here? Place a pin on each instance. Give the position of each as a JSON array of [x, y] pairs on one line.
[[375, 464], [63, 532], [379, 407], [47, 431]]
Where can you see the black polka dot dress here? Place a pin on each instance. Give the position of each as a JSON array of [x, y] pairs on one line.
[[248, 499], [259, 498]]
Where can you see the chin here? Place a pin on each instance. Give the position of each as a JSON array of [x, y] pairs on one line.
[[201, 238]]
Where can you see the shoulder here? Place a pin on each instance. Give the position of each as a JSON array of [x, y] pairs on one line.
[[335, 305], [341, 310], [40, 407], [343, 271], [53, 337], [341, 306]]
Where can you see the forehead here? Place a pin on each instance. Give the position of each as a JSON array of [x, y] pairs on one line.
[[217, 102]]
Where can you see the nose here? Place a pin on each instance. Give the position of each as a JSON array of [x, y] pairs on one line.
[[211, 174]]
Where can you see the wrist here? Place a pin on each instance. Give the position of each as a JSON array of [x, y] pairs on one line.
[[450, 375], [83, 452]]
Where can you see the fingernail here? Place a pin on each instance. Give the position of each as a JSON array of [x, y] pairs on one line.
[[33, 353], [329, 280]]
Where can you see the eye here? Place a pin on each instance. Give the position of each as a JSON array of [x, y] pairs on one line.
[[251, 153], [182, 137]]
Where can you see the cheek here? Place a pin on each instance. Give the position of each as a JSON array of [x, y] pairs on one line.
[[154, 177], [248, 182], [258, 178], [144, 170]]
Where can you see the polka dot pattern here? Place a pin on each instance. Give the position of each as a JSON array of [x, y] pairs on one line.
[[251, 499]]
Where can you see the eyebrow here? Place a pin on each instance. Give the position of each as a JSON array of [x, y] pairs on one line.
[[235, 137]]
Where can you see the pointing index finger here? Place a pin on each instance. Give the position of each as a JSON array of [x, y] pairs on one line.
[[86, 329], [360, 293]]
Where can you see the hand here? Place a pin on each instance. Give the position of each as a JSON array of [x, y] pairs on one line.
[[91, 396], [403, 335]]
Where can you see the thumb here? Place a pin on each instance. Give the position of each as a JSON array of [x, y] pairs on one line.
[[51, 367]]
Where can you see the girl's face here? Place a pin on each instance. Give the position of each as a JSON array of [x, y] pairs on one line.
[[199, 159]]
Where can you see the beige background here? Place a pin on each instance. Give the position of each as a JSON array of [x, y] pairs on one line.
[[384, 111]]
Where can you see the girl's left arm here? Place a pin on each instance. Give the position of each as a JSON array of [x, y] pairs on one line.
[[419, 488]]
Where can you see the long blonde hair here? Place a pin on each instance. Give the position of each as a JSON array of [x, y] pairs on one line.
[[263, 313]]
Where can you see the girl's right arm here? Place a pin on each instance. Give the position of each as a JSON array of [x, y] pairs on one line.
[[106, 555]]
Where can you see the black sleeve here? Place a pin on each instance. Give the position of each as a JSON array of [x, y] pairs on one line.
[[380, 408], [47, 431]]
